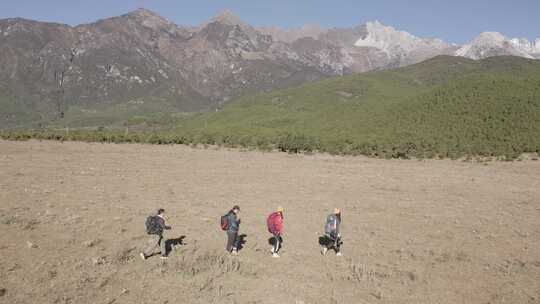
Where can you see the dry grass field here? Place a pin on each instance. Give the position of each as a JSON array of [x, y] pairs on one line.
[[435, 231]]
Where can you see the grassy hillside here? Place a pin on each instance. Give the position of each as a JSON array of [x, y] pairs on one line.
[[446, 106]]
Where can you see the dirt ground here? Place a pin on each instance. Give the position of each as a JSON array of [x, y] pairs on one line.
[[72, 225]]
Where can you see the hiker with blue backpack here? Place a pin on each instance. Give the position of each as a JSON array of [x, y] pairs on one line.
[[332, 233], [230, 223], [155, 226]]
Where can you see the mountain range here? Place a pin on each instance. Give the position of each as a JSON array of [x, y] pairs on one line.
[[141, 61]]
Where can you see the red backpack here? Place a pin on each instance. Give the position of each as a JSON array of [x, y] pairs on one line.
[[271, 222], [224, 223]]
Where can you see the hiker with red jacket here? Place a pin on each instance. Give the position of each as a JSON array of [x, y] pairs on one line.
[[231, 224], [275, 227], [155, 226]]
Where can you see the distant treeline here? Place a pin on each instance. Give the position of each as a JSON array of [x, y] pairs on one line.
[[291, 143]]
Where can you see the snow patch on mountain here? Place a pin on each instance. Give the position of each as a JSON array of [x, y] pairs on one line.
[[396, 43], [530, 47], [490, 44]]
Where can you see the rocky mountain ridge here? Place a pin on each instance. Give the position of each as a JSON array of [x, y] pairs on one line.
[[143, 59]]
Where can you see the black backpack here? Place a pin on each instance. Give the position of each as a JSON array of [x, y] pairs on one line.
[[225, 222], [152, 225]]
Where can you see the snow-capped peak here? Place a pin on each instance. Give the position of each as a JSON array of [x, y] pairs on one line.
[[493, 43], [526, 45], [385, 38], [394, 42], [490, 37]]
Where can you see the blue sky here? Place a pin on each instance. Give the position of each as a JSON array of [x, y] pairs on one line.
[[455, 21]]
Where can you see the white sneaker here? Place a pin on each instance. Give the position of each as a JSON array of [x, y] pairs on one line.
[[324, 250], [143, 257], [339, 254], [275, 255], [234, 252]]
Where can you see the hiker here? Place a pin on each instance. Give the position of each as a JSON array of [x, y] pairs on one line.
[[230, 223], [155, 226], [332, 235], [275, 227]]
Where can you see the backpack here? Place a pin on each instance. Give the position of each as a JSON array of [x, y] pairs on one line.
[[225, 222], [270, 222], [329, 228], [152, 225]]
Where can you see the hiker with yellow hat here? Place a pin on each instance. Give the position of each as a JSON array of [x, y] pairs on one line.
[[332, 235], [275, 227]]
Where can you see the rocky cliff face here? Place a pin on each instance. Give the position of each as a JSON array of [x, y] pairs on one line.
[[50, 67], [142, 57]]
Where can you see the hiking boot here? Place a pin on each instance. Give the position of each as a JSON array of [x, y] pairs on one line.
[[339, 254], [143, 256], [324, 250], [275, 255]]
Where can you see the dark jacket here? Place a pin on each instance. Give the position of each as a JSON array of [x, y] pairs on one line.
[[161, 223], [234, 222]]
